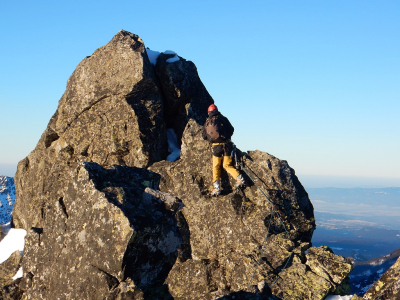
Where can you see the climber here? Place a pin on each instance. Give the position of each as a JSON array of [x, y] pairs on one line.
[[218, 131]]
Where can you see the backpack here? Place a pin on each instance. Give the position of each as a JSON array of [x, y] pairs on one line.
[[214, 129]]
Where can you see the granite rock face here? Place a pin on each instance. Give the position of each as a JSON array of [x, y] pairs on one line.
[[102, 231], [9, 268], [108, 218], [227, 233]]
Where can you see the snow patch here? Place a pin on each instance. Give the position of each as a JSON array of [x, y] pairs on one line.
[[153, 55], [169, 52], [337, 297], [19, 274], [173, 59], [173, 147], [13, 241]]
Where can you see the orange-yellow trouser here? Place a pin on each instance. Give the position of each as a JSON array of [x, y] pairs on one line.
[[225, 162]]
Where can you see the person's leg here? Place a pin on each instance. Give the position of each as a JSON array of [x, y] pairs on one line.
[[228, 166], [217, 168], [217, 157]]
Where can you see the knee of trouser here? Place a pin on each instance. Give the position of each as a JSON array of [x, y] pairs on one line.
[[227, 161], [217, 161]]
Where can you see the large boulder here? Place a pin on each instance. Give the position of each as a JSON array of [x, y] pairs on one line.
[[111, 113], [108, 218], [80, 241], [103, 230], [257, 237]]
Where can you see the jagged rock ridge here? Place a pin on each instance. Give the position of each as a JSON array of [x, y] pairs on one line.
[[95, 229]]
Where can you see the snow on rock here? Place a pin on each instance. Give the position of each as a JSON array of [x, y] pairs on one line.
[[13, 241], [153, 55], [7, 198], [19, 274], [172, 59], [337, 297], [173, 147], [169, 52]]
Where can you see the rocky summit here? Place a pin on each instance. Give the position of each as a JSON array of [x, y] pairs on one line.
[[109, 218]]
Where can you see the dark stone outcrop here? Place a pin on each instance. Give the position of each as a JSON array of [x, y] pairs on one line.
[[227, 233], [185, 96], [102, 231], [9, 268], [108, 218]]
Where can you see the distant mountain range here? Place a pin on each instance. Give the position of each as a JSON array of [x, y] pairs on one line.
[[365, 273], [377, 207], [362, 224], [7, 198]]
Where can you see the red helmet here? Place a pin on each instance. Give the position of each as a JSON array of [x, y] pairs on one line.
[[212, 107]]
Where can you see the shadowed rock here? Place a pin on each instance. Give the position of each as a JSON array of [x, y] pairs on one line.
[[108, 218], [227, 233], [99, 234], [185, 96]]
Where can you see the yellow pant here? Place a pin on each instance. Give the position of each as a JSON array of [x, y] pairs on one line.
[[226, 162]]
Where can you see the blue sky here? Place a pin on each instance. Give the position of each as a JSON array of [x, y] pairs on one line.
[[313, 82]]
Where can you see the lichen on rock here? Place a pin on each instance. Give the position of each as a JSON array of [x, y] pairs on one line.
[[108, 218]]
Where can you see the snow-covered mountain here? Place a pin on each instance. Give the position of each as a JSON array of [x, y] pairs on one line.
[[365, 273], [7, 198]]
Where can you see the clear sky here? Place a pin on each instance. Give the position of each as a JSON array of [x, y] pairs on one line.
[[316, 83]]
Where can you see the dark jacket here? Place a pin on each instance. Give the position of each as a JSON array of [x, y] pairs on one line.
[[226, 129]]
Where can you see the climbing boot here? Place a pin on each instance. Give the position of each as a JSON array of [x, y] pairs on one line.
[[240, 183], [217, 188]]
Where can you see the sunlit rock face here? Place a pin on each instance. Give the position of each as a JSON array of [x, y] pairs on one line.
[[226, 234], [109, 218]]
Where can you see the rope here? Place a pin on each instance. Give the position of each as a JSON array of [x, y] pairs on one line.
[[266, 237], [283, 224], [269, 225], [262, 250]]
